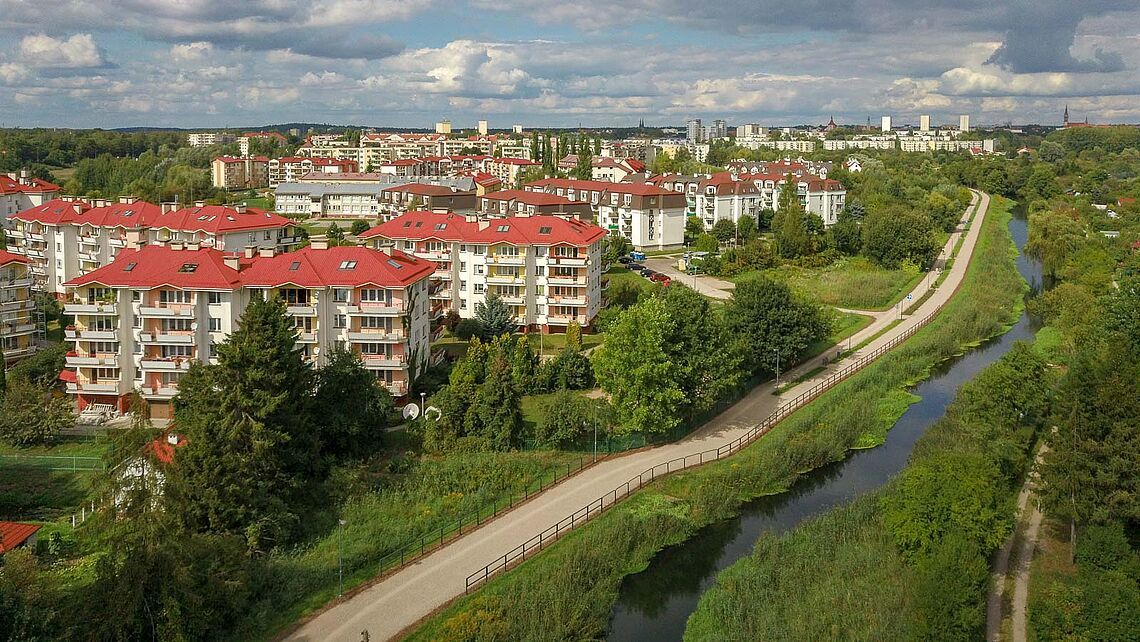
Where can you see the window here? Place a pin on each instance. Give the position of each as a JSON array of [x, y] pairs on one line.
[[188, 268], [215, 298], [267, 235], [463, 304], [129, 266], [347, 265], [503, 228], [540, 290], [463, 286], [440, 226], [479, 269], [540, 270], [340, 321], [136, 322], [340, 295], [173, 296], [478, 288], [136, 296], [294, 266], [395, 264], [480, 249], [103, 374], [376, 323], [376, 296], [375, 349], [544, 230], [462, 248], [215, 324], [540, 250], [409, 246]]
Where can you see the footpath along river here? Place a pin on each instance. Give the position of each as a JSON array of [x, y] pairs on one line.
[[656, 603]]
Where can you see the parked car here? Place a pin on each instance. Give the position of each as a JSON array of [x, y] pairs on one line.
[[635, 267], [659, 278], [647, 273], [624, 259]]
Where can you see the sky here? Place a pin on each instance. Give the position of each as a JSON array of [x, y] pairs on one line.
[[409, 63]]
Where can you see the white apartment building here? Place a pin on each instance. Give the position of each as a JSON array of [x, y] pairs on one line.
[[19, 192], [548, 269], [142, 319], [649, 217], [239, 172], [18, 325], [205, 139], [713, 197], [352, 195], [801, 146], [290, 169], [63, 239], [509, 170], [870, 142]]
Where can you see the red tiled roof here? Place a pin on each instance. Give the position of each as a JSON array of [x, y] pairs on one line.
[[528, 230], [531, 198], [8, 185], [153, 266], [640, 189], [12, 534], [137, 214], [515, 161], [219, 219], [311, 268], [53, 212], [7, 257], [423, 189], [163, 450]]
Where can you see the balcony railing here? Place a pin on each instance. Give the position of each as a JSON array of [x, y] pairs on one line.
[[376, 308], [85, 359], [96, 307], [167, 310], [165, 363], [578, 261], [98, 334], [166, 390], [568, 300], [384, 361], [103, 386], [306, 337], [302, 309], [565, 280], [174, 337], [506, 259], [12, 306], [397, 388], [561, 319], [506, 278], [369, 335]]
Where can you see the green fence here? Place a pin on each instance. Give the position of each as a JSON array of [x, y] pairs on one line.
[[52, 462]]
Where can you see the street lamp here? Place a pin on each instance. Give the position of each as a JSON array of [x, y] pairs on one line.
[[595, 431], [777, 369], [340, 556]]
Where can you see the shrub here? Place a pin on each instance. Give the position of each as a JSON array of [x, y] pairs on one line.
[[468, 328]]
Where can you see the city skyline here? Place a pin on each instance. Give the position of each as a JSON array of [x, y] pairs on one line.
[[407, 64]]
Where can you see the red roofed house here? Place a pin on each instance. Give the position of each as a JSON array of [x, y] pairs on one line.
[[142, 319], [240, 172], [18, 325], [15, 534], [290, 169], [420, 196], [546, 268], [63, 239], [509, 170], [21, 191], [650, 217], [513, 202]]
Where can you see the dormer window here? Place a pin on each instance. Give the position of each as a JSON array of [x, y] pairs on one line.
[[347, 265]]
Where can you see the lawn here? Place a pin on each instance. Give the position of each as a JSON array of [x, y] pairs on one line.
[[260, 202], [854, 283], [33, 493], [619, 274]]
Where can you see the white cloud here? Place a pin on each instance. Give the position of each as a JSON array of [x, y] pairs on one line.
[[77, 52], [191, 52]]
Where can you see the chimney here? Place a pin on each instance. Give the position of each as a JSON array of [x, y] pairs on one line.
[[127, 200], [232, 261], [193, 246], [386, 249], [169, 207], [176, 245], [24, 178], [199, 203], [471, 218], [267, 253], [249, 252], [319, 242], [240, 208], [484, 225], [172, 439]]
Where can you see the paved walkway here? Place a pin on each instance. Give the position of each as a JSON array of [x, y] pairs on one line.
[[402, 599], [709, 286]]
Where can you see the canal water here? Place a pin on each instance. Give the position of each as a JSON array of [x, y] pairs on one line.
[[656, 603]]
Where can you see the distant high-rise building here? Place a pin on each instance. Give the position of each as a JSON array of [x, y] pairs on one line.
[[924, 123], [693, 130], [719, 129], [964, 122], [517, 128], [443, 127], [886, 123], [751, 129], [482, 127]]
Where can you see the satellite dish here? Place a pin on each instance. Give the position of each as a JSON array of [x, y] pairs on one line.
[[432, 409], [411, 411]]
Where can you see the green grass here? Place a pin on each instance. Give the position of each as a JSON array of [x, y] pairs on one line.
[[259, 202], [407, 505], [568, 591], [618, 274], [66, 447], [854, 283], [553, 344], [34, 493]]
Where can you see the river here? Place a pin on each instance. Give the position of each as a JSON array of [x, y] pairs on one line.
[[656, 603]]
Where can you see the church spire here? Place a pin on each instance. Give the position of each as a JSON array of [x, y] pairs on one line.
[[1066, 118]]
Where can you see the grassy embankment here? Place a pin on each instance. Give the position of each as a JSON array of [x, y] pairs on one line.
[[854, 283], [568, 591], [31, 490]]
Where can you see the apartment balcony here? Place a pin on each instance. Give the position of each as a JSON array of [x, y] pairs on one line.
[[34, 253], [22, 328], [17, 249], [34, 236], [172, 337], [168, 364], [118, 241], [506, 259], [442, 295], [437, 333], [444, 275], [384, 362], [397, 388], [89, 257], [288, 240], [302, 310], [95, 308], [376, 309], [512, 299], [99, 387], [14, 306], [167, 310], [559, 319], [444, 255], [366, 335], [16, 234], [88, 360], [306, 337], [566, 280], [568, 300], [37, 269], [574, 261], [71, 332], [506, 279], [160, 391], [89, 240]]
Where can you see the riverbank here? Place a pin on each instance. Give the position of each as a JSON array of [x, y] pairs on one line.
[[568, 591]]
